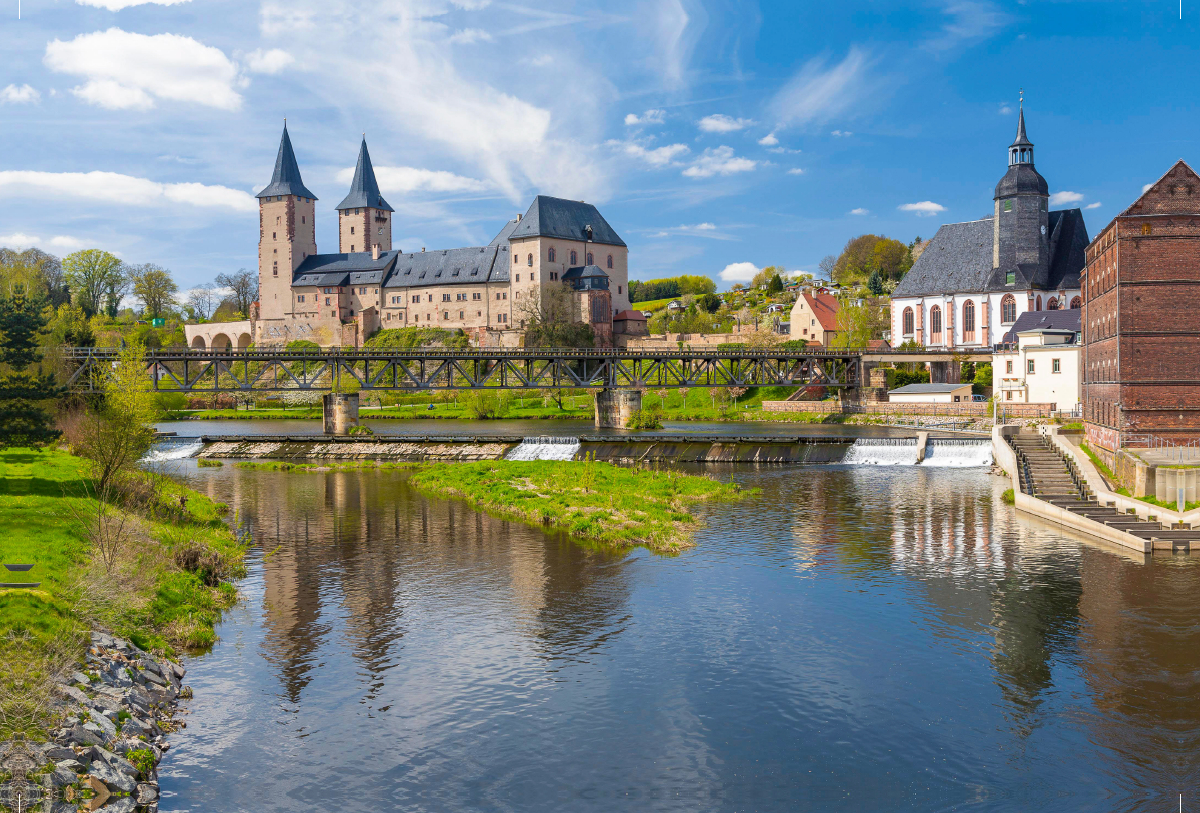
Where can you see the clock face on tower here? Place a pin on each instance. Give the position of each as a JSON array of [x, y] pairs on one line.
[[1043, 229]]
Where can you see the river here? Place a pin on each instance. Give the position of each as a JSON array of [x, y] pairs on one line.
[[851, 638]]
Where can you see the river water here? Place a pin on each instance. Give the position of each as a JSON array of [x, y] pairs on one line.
[[851, 638]]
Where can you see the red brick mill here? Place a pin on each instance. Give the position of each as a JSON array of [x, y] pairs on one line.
[[1141, 320]]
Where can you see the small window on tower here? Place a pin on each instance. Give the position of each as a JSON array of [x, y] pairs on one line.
[[352, 230], [1008, 205]]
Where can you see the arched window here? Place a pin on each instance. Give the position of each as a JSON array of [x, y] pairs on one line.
[[590, 260], [529, 260], [1076, 303], [1008, 309], [574, 258], [551, 255], [968, 325], [1052, 304], [935, 323], [1038, 306], [908, 321], [610, 261]]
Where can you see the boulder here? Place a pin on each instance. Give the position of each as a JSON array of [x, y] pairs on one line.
[[146, 793], [105, 725], [113, 779], [57, 753], [156, 679], [114, 761], [60, 777], [83, 735], [75, 694], [80, 677], [123, 805], [73, 765]]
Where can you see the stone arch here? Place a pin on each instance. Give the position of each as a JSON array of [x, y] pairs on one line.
[[220, 342], [198, 343], [243, 341], [1052, 304]]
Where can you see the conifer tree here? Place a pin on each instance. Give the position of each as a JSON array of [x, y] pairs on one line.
[[24, 420]]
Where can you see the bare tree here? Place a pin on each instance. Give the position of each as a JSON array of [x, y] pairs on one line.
[[203, 301], [827, 264], [243, 288], [549, 320]]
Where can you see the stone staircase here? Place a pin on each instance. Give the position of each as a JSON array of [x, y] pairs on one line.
[[1049, 475]]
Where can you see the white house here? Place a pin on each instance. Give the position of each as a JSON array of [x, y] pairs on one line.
[[931, 394], [975, 279], [1039, 361]]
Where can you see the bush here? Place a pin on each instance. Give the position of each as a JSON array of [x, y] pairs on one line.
[[170, 401], [484, 405], [142, 759], [207, 565], [1008, 497], [361, 430], [208, 463], [645, 419]]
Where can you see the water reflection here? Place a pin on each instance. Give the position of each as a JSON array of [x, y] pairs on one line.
[[862, 637]]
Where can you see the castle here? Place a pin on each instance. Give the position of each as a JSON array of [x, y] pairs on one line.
[[488, 291]]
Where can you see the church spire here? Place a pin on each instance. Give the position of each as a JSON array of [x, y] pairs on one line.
[[364, 189], [286, 179], [1021, 150]]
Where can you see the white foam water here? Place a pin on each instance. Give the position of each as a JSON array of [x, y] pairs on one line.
[[942, 453], [161, 452], [545, 448]]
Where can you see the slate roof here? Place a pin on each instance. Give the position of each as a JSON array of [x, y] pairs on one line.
[[453, 266], [1067, 319], [636, 316], [568, 219], [583, 271], [927, 389], [364, 190], [501, 239], [357, 268], [1021, 140], [286, 178], [1021, 179], [959, 260]]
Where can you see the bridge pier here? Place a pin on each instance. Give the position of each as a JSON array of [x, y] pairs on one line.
[[615, 407], [945, 372], [339, 412]]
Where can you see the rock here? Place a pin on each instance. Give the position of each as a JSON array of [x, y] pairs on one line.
[[114, 761], [106, 725], [115, 780], [123, 805], [57, 753], [73, 765], [73, 693], [178, 670], [145, 793], [157, 680], [60, 777], [86, 736], [80, 677], [100, 639], [136, 726], [150, 665]]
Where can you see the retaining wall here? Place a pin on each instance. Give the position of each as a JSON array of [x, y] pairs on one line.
[[962, 410]]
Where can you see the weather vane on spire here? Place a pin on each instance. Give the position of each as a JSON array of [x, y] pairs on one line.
[[1022, 98]]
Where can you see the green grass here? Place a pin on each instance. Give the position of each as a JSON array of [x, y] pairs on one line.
[[343, 465], [1009, 497], [654, 305], [593, 500]]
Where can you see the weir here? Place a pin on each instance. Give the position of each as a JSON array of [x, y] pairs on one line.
[[545, 448]]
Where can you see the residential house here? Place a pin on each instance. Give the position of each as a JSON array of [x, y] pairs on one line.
[[1039, 361], [814, 318]]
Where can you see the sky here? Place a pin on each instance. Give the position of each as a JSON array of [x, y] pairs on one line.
[[715, 136]]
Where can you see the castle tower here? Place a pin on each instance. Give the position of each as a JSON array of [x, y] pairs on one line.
[[364, 217], [287, 232], [1020, 244]]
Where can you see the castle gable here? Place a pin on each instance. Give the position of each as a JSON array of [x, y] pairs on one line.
[[565, 219]]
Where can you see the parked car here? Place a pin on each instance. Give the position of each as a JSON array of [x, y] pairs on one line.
[[978, 397]]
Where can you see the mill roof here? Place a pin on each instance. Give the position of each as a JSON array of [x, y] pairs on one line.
[[566, 219], [286, 180], [364, 189]]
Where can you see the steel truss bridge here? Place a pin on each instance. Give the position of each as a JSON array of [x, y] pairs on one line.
[[187, 370]]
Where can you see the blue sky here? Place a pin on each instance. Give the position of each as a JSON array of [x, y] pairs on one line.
[[716, 136]]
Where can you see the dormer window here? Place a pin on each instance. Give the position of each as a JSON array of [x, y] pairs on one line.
[[1010, 278]]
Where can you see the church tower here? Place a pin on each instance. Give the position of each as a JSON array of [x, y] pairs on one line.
[[1020, 245], [364, 217], [287, 232]]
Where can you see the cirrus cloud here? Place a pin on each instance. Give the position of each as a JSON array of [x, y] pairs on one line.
[[113, 187], [125, 71], [117, 5], [925, 208]]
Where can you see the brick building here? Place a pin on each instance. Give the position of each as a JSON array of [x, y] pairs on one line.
[[1141, 323]]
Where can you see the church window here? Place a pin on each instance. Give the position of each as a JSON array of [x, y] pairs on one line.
[[908, 321], [968, 325], [1052, 304], [574, 258], [1010, 278], [590, 261], [1038, 304], [1076, 302], [529, 260], [1008, 309], [610, 261], [935, 323], [1008, 205], [551, 254]]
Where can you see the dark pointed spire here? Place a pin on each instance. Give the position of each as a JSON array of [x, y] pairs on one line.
[[286, 179], [364, 190], [1022, 140]]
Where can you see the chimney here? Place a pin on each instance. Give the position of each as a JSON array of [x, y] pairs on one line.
[[422, 249], [519, 217], [375, 252]]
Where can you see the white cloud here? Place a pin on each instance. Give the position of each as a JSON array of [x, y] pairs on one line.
[[718, 161], [1005, 110], [1146, 188], [117, 5], [720, 123], [468, 36], [111, 187], [1059, 198], [657, 157], [19, 95], [841, 133], [819, 93], [130, 71], [769, 140], [1095, 205], [272, 61], [649, 117], [706, 230], [925, 208], [59, 242], [860, 211], [795, 171], [739, 272], [412, 179]]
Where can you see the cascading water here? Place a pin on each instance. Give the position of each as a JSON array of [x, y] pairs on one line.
[[940, 452], [545, 448], [172, 450], [882, 452]]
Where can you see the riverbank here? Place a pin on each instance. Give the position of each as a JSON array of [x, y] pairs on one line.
[[154, 570], [590, 499]]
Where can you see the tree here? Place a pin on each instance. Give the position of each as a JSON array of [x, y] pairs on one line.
[[872, 252], [827, 265], [23, 420], [153, 287], [763, 277], [859, 321], [202, 301], [550, 320], [117, 434], [41, 272], [875, 284], [96, 277], [709, 303], [243, 287], [775, 286]]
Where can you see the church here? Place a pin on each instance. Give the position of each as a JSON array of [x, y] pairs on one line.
[[341, 299], [975, 279]]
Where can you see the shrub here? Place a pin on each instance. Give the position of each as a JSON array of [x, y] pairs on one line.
[[645, 419], [1008, 497], [207, 565], [208, 463], [361, 430], [483, 405], [142, 759]]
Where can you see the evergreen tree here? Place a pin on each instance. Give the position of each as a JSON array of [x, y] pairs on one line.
[[875, 284], [775, 286], [23, 420]]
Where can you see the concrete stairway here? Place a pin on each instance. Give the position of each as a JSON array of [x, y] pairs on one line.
[[1049, 475]]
